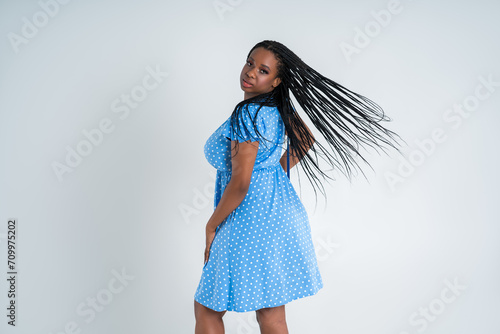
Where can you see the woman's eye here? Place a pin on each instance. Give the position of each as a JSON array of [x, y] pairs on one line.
[[250, 64]]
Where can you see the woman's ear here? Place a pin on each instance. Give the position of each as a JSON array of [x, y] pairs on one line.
[[277, 81]]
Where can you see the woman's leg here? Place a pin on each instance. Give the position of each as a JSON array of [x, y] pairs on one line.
[[208, 321], [272, 320]]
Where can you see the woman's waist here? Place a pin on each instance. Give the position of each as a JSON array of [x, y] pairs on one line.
[[259, 168]]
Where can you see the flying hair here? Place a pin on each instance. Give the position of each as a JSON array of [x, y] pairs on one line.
[[345, 119]]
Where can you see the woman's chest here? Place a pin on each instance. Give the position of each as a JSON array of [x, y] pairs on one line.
[[217, 148]]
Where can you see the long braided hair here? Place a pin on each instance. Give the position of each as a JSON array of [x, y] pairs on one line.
[[344, 118]]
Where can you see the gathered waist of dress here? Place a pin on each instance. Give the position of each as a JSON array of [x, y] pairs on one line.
[[255, 169]]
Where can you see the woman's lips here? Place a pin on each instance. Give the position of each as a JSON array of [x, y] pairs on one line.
[[246, 84]]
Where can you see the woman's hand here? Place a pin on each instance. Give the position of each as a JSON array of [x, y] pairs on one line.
[[210, 235]]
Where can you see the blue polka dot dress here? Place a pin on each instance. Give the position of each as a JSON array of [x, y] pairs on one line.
[[262, 254]]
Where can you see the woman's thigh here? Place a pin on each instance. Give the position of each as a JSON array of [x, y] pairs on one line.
[[271, 314], [201, 311]]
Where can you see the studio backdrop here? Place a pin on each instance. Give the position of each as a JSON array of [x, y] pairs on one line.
[[105, 107]]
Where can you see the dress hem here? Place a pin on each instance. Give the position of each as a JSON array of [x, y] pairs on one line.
[[265, 306]]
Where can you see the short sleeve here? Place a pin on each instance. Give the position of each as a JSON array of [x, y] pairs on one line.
[[242, 128]]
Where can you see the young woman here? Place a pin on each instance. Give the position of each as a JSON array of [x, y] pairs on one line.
[[259, 252]]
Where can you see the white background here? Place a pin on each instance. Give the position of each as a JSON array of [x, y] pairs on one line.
[[385, 253]]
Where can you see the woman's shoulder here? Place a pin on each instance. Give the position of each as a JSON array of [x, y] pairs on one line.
[[262, 110], [255, 111]]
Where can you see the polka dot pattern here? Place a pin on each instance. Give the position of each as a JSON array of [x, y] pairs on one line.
[[262, 254]]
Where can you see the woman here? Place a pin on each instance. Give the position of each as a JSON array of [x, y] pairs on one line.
[[259, 253]]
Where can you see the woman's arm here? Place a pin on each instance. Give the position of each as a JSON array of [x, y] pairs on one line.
[[294, 158], [241, 172]]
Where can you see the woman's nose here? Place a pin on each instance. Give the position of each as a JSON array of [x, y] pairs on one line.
[[251, 73]]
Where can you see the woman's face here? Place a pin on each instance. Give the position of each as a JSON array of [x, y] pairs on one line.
[[258, 76]]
